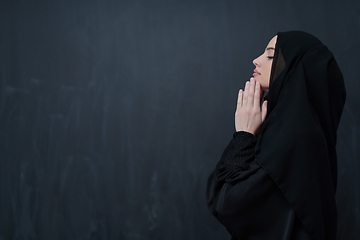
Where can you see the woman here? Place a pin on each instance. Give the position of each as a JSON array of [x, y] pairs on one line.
[[277, 177]]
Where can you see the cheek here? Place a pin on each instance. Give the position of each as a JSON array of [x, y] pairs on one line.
[[269, 68]]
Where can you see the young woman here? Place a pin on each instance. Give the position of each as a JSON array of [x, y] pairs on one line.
[[277, 177]]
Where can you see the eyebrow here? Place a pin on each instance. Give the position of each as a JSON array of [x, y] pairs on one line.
[[270, 48]]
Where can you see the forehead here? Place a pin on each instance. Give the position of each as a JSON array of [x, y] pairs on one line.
[[272, 42]]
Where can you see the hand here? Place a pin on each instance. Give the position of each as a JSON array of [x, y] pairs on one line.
[[248, 116]]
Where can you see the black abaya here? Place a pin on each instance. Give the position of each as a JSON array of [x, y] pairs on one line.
[[281, 184]]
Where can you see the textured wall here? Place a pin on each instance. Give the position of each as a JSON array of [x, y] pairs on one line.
[[113, 113]]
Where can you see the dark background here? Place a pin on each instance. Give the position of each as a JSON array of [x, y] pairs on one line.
[[114, 113]]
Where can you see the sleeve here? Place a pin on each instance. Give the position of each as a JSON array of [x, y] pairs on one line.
[[236, 158], [232, 177], [244, 198]]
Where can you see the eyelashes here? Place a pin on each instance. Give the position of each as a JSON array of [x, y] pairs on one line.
[[269, 57]]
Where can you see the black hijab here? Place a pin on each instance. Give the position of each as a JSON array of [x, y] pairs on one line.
[[296, 144]]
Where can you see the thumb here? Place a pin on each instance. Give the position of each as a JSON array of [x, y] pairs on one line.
[[264, 110]]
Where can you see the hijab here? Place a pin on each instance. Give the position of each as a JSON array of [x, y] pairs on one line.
[[296, 143]]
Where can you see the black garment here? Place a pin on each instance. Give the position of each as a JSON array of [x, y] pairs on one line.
[[240, 191], [291, 166]]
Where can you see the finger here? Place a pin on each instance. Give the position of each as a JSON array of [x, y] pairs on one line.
[[240, 98], [257, 97], [261, 93], [245, 96], [264, 110], [250, 100]]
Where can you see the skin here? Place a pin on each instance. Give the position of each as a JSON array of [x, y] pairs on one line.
[[249, 116], [263, 65]]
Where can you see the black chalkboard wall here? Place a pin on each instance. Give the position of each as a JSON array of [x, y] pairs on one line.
[[113, 113]]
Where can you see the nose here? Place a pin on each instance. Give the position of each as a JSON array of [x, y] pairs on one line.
[[256, 62]]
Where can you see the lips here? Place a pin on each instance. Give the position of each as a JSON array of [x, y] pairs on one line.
[[256, 73]]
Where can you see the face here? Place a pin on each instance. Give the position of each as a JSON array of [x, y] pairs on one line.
[[263, 65]]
